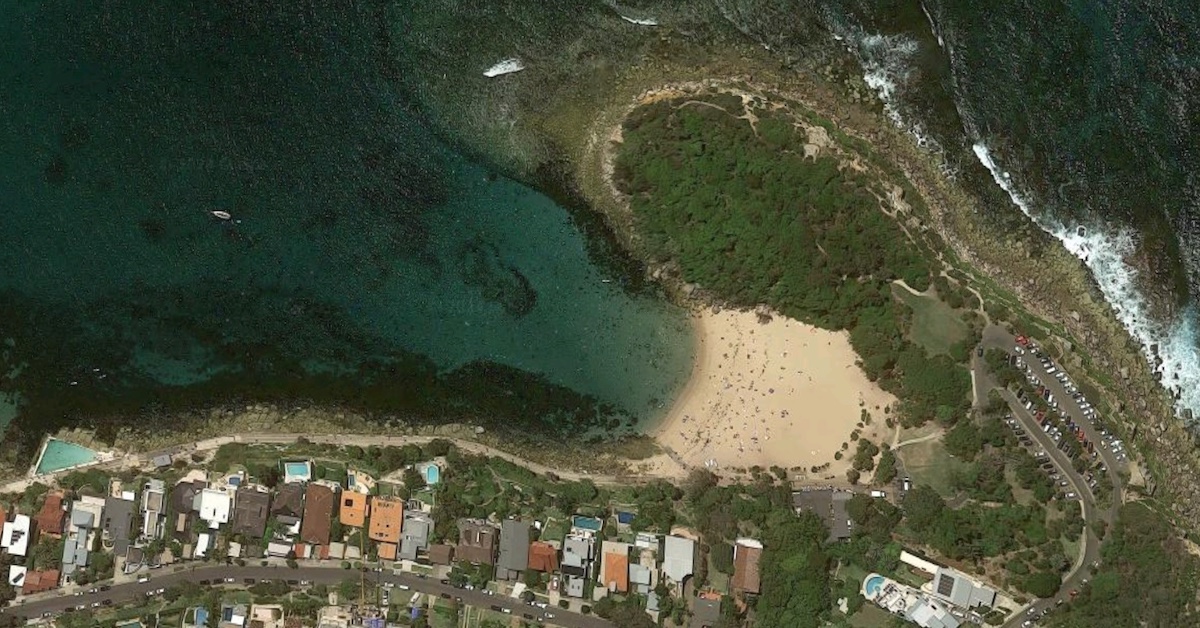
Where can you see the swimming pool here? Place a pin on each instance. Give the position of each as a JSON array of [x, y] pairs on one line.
[[873, 585], [297, 471], [432, 474], [58, 455]]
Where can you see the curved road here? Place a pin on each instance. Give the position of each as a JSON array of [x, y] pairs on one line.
[[997, 337], [136, 592]]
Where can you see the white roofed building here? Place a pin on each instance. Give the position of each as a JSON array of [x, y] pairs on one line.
[[679, 558], [15, 537], [213, 507]]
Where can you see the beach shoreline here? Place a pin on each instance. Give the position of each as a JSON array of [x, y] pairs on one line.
[[767, 391]]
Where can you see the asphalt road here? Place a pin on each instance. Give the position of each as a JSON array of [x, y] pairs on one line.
[[136, 592], [1090, 550]]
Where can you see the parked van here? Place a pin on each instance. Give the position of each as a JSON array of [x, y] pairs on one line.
[[879, 494]]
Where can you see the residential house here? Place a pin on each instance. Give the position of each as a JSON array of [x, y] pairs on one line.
[[16, 535], [213, 506], [514, 549], [415, 537], [706, 610], [441, 554], [543, 557], [161, 461], [153, 508], [53, 515], [16, 576], [183, 497], [679, 558], [81, 535], [641, 578], [614, 566], [288, 501], [40, 581], [387, 520], [746, 555], [117, 522], [830, 506], [576, 564], [476, 542], [251, 506], [232, 616], [354, 509], [288, 507], [318, 514]]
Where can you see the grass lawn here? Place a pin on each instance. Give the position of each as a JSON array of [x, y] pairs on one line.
[[850, 572], [718, 580], [929, 463], [442, 617], [871, 616], [554, 530], [935, 325]]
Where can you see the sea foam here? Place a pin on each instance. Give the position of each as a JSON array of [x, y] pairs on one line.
[[1103, 251]]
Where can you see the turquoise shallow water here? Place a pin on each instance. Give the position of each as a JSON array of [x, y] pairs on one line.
[[62, 455], [366, 263]]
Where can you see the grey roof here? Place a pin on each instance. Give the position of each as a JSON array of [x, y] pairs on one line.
[[118, 520], [514, 548], [162, 460], [652, 602], [639, 574], [574, 586], [679, 556], [830, 506], [960, 590], [706, 613], [73, 555], [82, 519], [415, 537], [184, 494], [576, 556]]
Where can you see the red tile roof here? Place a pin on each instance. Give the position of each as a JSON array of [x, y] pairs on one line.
[[543, 557], [40, 581], [51, 517], [745, 568], [616, 572], [318, 515]]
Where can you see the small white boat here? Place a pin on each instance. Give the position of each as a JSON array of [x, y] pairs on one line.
[[640, 22], [223, 215], [507, 66]]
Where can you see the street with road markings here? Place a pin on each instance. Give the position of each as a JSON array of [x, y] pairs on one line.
[[136, 592]]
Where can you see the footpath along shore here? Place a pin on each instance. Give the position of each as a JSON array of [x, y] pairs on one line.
[[145, 459]]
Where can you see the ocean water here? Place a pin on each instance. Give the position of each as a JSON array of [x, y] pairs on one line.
[[1078, 117], [1084, 115], [361, 247]]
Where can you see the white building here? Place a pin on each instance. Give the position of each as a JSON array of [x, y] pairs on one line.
[[15, 537], [679, 556], [213, 506], [153, 506]]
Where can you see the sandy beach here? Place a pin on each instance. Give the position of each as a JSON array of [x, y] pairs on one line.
[[771, 393]]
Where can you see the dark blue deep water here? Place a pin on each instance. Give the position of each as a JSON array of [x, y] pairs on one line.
[[372, 259], [366, 263]]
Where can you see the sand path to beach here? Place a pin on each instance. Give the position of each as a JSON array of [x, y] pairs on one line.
[[771, 393]]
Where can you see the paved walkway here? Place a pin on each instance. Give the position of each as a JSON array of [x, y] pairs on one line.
[[359, 440]]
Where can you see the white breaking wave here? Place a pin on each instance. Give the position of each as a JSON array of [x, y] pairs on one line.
[[640, 22], [1104, 254], [507, 66]]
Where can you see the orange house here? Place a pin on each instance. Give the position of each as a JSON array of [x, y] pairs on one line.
[[386, 521], [355, 509]]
